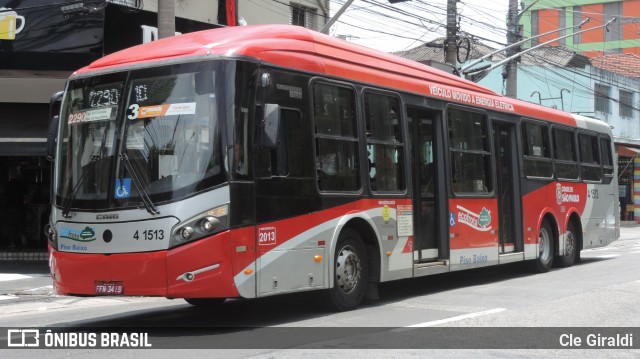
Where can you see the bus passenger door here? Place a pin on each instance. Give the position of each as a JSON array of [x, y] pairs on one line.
[[508, 189], [425, 185]]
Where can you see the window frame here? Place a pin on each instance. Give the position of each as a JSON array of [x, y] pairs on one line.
[[309, 16], [355, 141], [401, 178], [624, 106], [608, 169], [576, 155], [598, 164], [526, 157], [486, 152], [283, 149], [601, 98]]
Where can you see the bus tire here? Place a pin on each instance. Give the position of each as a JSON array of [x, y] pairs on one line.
[[205, 302], [351, 271], [571, 248], [544, 261]]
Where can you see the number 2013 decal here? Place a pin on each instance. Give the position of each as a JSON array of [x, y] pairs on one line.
[[267, 236]]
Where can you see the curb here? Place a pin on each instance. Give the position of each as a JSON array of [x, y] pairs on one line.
[[24, 256]]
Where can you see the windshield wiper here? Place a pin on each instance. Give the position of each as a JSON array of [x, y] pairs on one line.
[[66, 207], [151, 208], [92, 162]]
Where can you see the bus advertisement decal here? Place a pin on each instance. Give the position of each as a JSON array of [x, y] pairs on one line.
[[478, 221], [187, 108], [87, 234]]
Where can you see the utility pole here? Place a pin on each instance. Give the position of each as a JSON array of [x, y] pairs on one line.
[[327, 26], [513, 36], [166, 18], [452, 28], [505, 61]]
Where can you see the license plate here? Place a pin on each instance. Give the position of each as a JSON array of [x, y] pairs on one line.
[[109, 288]]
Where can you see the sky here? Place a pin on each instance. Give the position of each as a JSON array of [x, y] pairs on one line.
[[401, 26]]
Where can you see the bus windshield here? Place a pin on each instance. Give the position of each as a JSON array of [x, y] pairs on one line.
[[151, 132]]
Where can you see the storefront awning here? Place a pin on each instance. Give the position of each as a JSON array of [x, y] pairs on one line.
[[23, 129], [625, 151]]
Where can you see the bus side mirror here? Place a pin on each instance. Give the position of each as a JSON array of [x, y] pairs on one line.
[[54, 119], [51, 137], [270, 126]]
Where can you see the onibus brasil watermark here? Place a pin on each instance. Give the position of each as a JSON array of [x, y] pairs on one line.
[[33, 338]]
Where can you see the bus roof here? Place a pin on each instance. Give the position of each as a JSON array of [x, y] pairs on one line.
[[307, 50], [285, 45]]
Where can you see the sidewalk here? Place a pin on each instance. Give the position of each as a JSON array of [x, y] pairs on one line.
[[24, 278]]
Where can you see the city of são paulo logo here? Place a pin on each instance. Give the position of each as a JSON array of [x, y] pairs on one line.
[[566, 194], [478, 221], [88, 234]]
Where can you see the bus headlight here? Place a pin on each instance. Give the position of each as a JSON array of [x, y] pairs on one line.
[[200, 226], [186, 233], [209, 223]]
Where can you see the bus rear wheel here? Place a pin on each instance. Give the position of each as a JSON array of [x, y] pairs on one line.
[[571, 248], [545, 247], [351, 271], [205, 302]]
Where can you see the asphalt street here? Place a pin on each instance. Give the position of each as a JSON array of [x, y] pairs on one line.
[[600, 292]]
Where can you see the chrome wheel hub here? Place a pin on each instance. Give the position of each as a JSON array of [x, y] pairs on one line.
[[348, 269]]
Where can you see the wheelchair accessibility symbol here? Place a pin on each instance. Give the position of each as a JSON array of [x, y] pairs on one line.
[[123, 190]]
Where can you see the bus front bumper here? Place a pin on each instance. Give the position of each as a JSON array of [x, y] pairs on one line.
[[201, 269]]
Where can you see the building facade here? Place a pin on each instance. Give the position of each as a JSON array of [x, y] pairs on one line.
[[605, 87], [620, 37], [615, 52], [601, 93], [43, 42]]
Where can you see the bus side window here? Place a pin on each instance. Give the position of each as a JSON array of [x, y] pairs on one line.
[[565, 154], [291, 157], [384, 143], [589, 158], [470, 152], [336, 138], [607, 159], [537, 150], [285, 162]]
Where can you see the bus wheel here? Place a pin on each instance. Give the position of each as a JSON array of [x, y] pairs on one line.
[[351, 271], [205, 302], [570, 248], [545, 247]]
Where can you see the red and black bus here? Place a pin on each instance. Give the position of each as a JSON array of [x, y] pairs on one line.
[[260, 160]]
